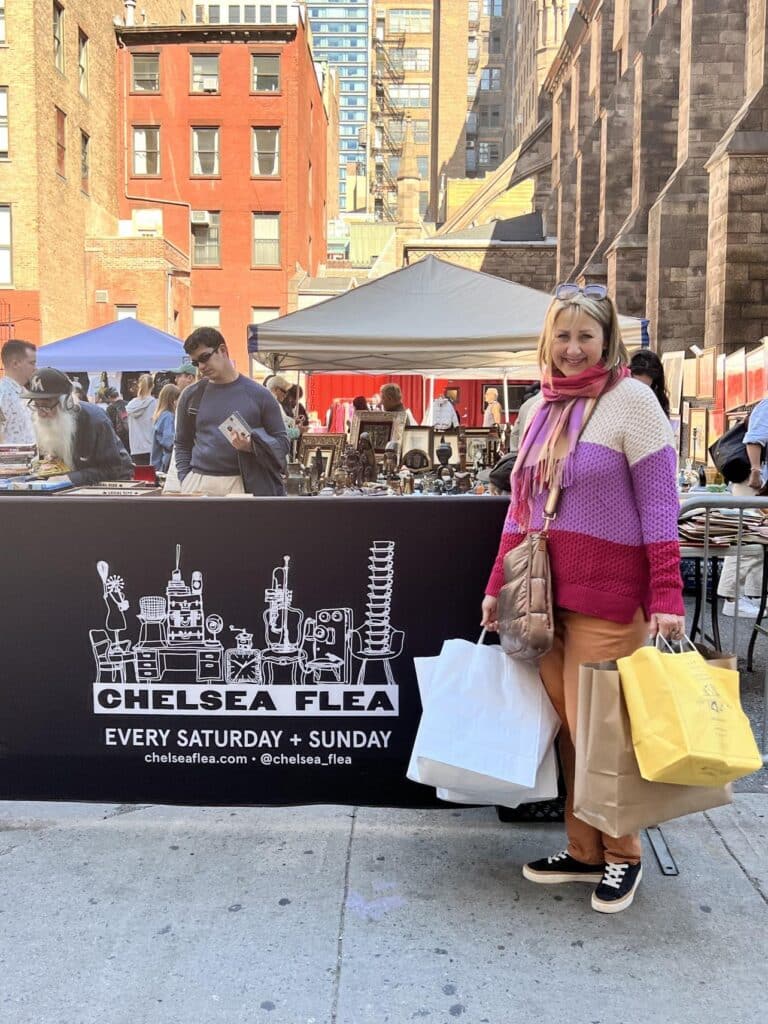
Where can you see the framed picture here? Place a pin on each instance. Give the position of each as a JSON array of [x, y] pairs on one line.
[[673, 371], [716, 426], [705, 373], [332, 448], [418, 439], [381, 427], [478, 441], [697, 446], [689, 378], [451, 437], [736, 379], [756, 374]]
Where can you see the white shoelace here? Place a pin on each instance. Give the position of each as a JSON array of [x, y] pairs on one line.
[[614, 874], [558, 856]]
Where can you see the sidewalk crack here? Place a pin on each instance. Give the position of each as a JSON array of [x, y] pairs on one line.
[[754, 882], [342, 919]]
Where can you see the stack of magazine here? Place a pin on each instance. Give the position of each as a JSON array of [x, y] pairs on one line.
[[16, 459]]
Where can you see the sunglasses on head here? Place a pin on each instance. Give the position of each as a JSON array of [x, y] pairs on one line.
[[203, 359], [566, 291]]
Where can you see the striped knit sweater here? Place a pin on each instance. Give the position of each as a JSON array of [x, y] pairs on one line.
[[613, 546]]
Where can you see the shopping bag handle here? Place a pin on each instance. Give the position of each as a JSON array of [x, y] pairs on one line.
[[482, 638], [662, 642]]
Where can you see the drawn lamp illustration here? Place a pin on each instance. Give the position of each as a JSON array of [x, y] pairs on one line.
[[376, 640]]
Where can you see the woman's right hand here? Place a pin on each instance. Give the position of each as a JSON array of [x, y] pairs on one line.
[[489, 607]]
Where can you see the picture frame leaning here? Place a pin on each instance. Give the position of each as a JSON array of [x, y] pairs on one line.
[[331, 445], [382, 427]]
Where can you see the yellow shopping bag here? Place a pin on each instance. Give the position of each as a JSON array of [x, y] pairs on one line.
[[687, 723]]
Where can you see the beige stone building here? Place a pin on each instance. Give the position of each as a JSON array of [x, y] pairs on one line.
[[59, 139], [442, 62]]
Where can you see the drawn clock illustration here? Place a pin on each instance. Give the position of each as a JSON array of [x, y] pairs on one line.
[[243, 663]]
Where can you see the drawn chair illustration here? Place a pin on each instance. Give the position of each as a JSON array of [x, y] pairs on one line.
[[108, 660], [152, 616]]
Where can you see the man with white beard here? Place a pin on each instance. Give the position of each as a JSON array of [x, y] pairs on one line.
[[79, 436]]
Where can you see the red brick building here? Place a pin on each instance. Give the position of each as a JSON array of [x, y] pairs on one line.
[[224, 157]]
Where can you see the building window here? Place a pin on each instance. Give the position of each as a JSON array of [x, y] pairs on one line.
[[471, 122], [266, 239], [493, 8], [206, 238], [205, 151], [490, 80], [261, 314], [473, 10], [214, 14], [61, 142], [423, 203], [205, 72], [82, 61], [423, 165], [206, 316], [471, 86], [266, 152], [490, 117], [146, 72], [126, 312], [146, 151], [266, 72], [6, 261], [2, 21], [58, 35], [411, 58], [494, 44], [4, 144], [409, 95], [413, 20], [85, 162], [488, 153]]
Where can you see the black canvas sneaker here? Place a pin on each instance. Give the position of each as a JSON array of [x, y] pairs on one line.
[[617, 888], [562, 868]]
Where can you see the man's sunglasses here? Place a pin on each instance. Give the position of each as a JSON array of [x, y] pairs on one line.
[[203, 359], [563, 292]]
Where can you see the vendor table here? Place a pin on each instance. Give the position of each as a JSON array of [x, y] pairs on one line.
[[224, 651]]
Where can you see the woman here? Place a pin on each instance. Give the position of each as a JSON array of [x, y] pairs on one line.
[[164, 419], [648, 369], [140, 423], [492, 414], [614, 550]]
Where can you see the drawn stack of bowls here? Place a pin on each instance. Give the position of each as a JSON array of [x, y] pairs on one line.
[[381, 573]]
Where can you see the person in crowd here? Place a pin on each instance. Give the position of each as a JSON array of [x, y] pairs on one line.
[[140, 423], [19, 359], [209, 462], [751, 565], [360, 403], [615, 562], [374, 403], [530, 400], [646, 367], [79, 436], [392, 401], [78, 391], [185, 375], [117, 414], [492, 413], [165, 427], [279, 387], [294, 407]]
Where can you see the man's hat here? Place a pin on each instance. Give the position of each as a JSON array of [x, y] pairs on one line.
[[187, 368], [48, 383]]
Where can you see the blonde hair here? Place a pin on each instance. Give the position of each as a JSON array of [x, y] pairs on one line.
[[144, 388], [604, 311], [166, 400]]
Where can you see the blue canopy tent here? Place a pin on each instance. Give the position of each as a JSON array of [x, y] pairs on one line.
[[123, 345]]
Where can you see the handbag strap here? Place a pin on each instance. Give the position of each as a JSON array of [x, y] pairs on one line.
[[553, 498]]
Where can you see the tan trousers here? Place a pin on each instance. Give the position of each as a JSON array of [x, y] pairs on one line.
[[213, 486], [580, 639], [751, 582]]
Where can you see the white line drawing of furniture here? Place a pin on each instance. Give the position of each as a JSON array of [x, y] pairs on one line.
[[283, 628], [376, 640], [153, 618], [327, 644], [107, 658]]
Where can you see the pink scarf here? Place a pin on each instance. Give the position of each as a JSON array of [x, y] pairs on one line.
[[545, 459]]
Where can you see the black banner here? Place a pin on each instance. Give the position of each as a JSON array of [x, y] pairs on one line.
[[252, 651]]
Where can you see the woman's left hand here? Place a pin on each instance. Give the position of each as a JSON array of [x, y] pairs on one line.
[[671, 627]]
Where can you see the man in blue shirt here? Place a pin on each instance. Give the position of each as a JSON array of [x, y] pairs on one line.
[[207, 460]]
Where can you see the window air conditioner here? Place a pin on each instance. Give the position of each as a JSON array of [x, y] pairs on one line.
[[102, 295], [200, 217], [210, 83]]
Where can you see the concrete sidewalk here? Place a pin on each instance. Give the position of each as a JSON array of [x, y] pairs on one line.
[[336, 915]]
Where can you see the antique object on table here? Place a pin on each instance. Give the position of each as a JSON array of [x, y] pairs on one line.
[[462, 482], [381, 427], [331, 448], [421, 439], [443, 451], [406, 480], [353, 467], [418, 485], [390, 460], [462, 450], [17, 459], [369, 470], [416, 460], [316, 471], [445, 473], [295, 481]]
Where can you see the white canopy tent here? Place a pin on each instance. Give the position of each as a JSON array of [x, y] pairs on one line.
[[432, 318]]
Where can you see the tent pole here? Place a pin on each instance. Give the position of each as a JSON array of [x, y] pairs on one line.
[[506, 398], [431, 394]]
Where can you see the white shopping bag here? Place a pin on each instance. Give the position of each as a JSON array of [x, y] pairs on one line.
[[485, 714], [503, 793]]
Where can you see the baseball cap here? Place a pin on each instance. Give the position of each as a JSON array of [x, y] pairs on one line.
[[48, 383], [185, 368]]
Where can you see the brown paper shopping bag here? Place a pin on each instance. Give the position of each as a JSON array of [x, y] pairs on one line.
[[609, 792]]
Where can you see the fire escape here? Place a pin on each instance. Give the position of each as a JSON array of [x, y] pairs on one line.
[[387, 122]]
